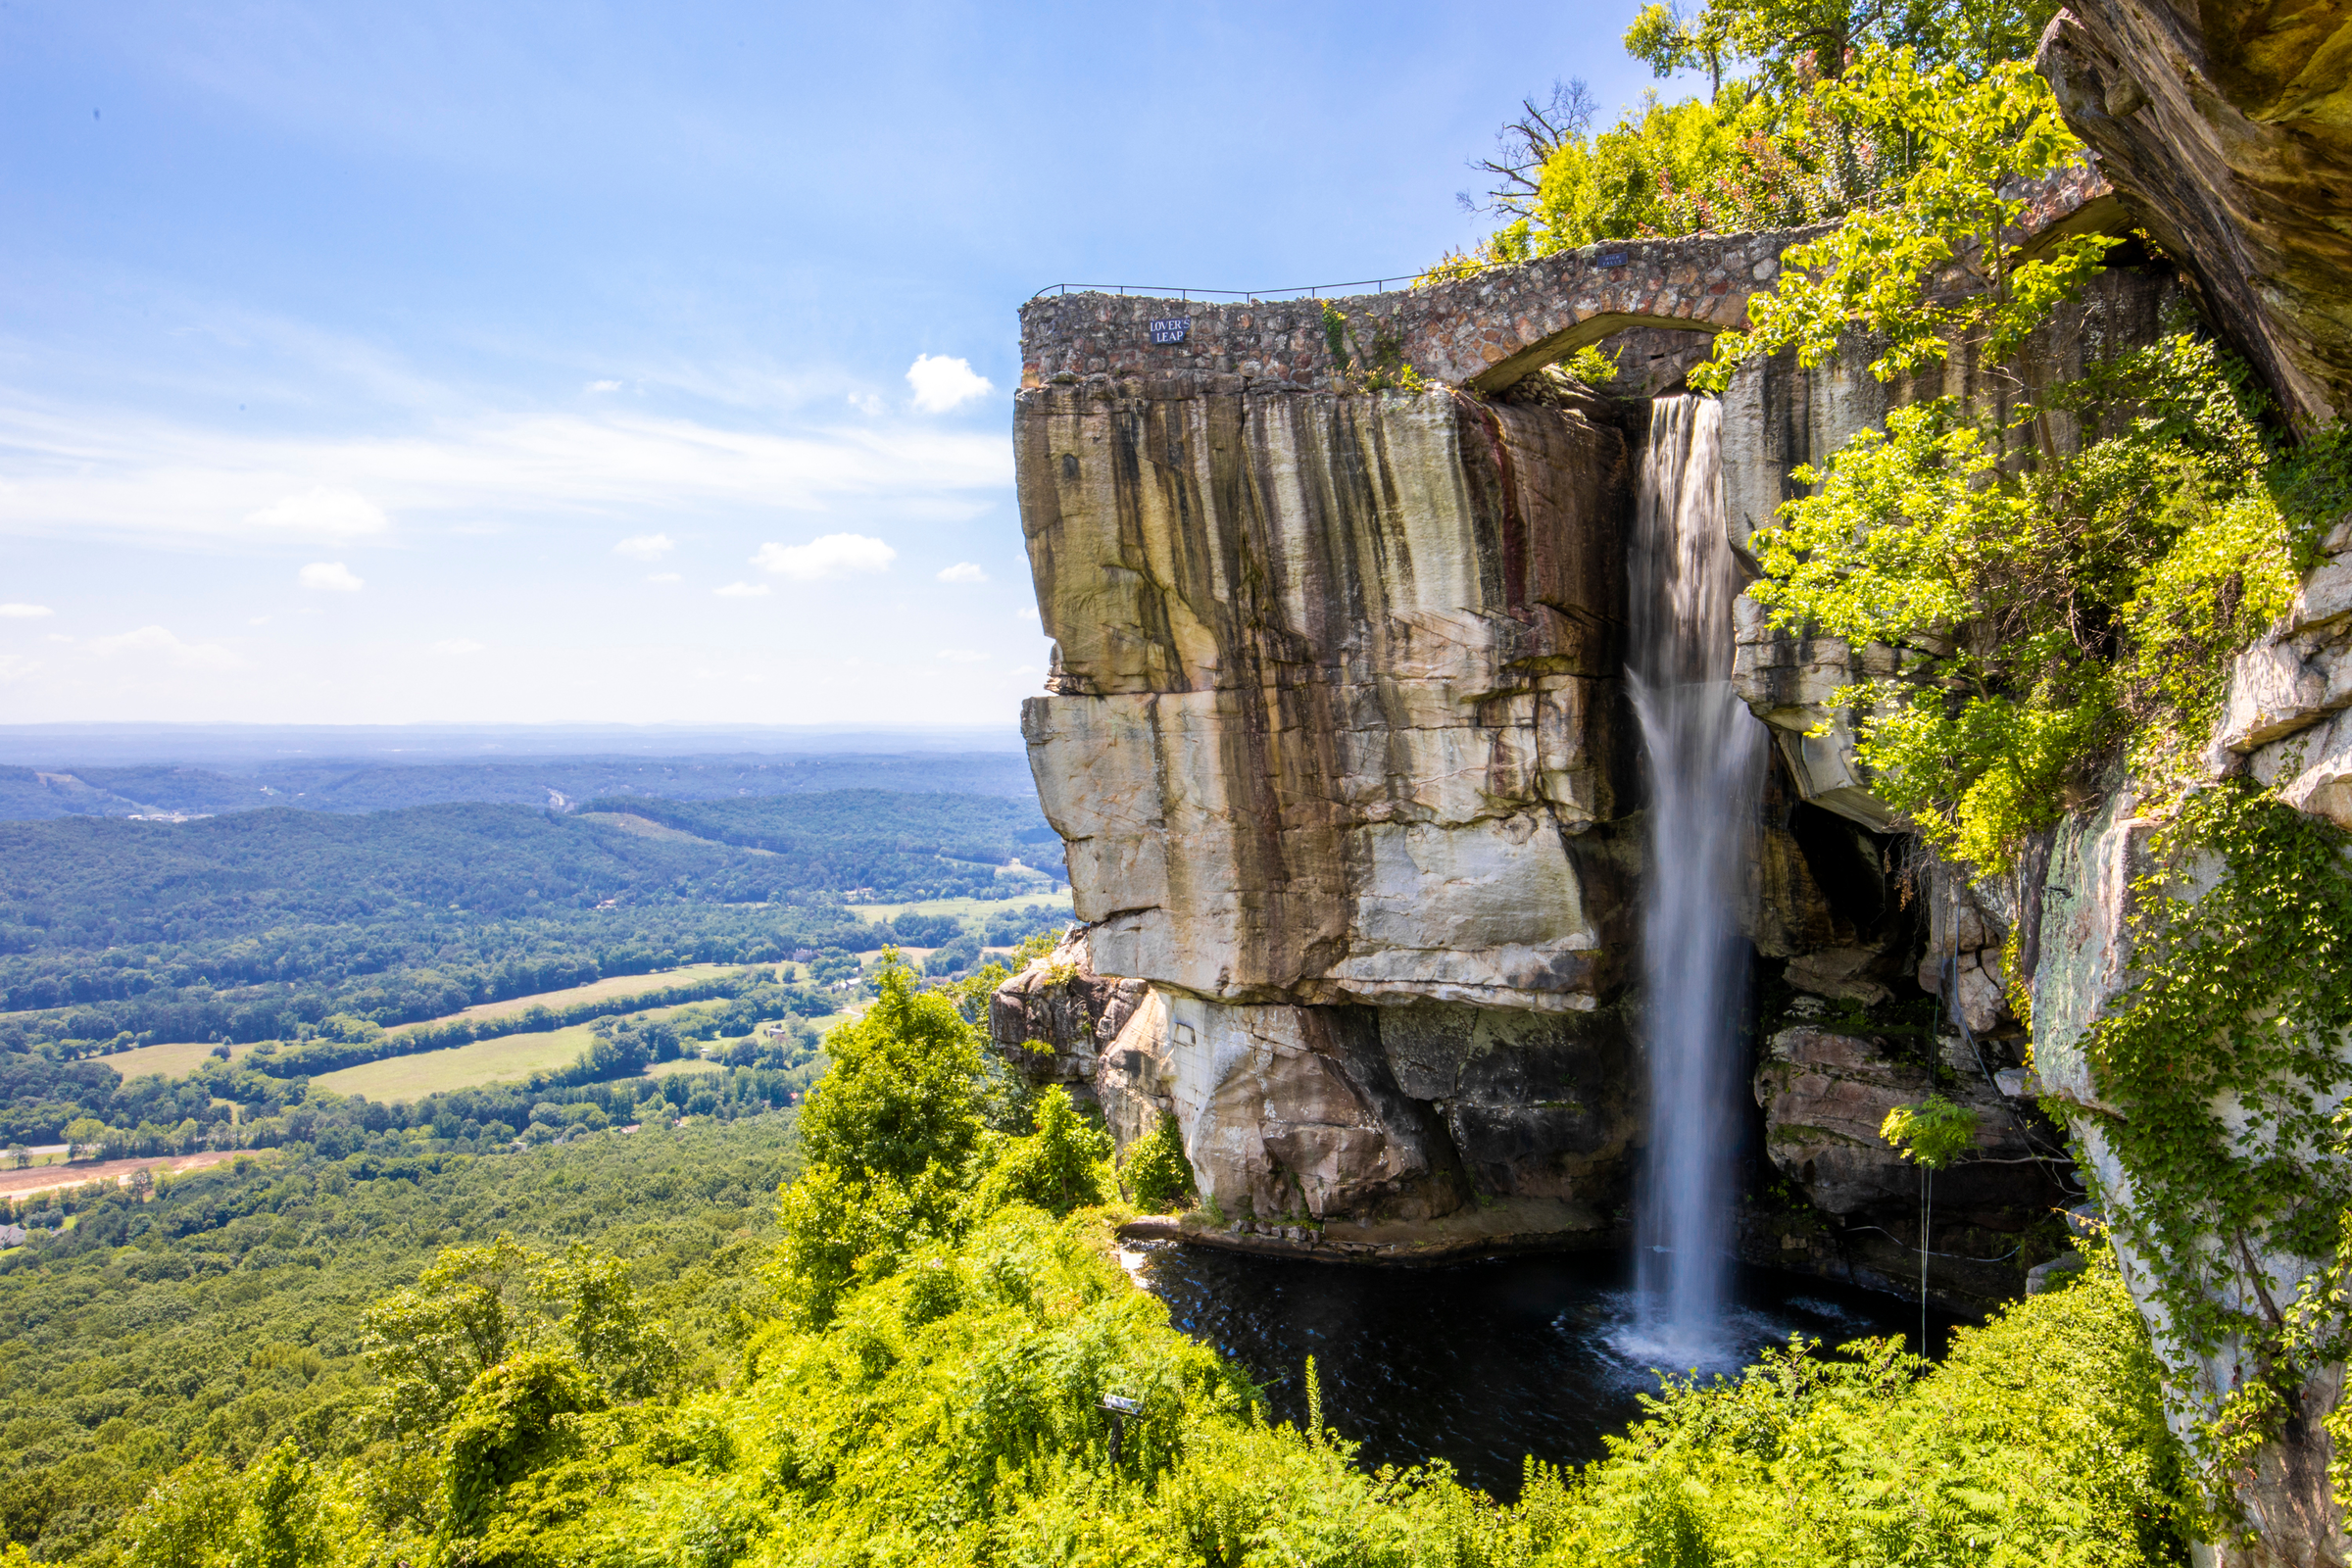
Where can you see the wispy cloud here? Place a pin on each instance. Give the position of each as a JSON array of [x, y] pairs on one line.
[[79, 471], [159, 643], [329, 576], [457, 647], [742, 590], [22, 611], [646, 546], [961, 656], [666, 576], [940, 383], [963, 572], [603, 386], [834, 554]]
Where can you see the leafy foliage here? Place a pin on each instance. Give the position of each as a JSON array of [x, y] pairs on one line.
[[1932, 1133], [1157, 1170], [178, 1343], [2042, 618], [1781, 138], [2226, 1057]]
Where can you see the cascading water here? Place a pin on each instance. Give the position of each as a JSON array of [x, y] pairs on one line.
[[1706, 755]]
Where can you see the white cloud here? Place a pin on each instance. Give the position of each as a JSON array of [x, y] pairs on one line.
[[665, 577], [15, 666], [742, 590], [940, 383], [963, 572], [603, 386], [457, 645], [646, 546], [329, 576], [835, 554], [322, 509], [79, 471], [869, 403], [160, 642], [22, 611], [960, 656]]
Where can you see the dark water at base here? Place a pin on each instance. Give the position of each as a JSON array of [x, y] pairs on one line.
[[1479, 1363]]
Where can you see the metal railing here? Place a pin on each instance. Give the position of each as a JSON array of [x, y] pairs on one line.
[[1309, 292]]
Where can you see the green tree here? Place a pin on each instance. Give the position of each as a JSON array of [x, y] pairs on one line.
[[1157, 1170], [477, 1306], [83, 1136], [285, 1523], [1792, 44], [898, 1099], [890, 1134], [1060, 1166], [512, 1421], [185, 1520]]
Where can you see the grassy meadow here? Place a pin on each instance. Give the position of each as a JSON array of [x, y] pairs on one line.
[[967, 910]]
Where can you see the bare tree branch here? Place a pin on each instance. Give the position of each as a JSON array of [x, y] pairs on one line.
[[1522, 146]]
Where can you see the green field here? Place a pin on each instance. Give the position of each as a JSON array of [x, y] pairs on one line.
[[485, 1061], [620, 984], [670, 1069], [965, 908], [173, 1061], [509, 1057]]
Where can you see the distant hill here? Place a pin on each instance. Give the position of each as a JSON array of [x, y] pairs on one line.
[[376, 784]]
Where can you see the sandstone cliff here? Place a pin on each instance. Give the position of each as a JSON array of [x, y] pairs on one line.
[[1338, 740]]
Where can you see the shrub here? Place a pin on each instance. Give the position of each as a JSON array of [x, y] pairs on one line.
[[1156, 1171]]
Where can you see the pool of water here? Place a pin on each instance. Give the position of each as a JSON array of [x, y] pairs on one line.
[[1480, 1363]]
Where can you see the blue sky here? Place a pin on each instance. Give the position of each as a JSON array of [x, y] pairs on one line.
[[632, 364]]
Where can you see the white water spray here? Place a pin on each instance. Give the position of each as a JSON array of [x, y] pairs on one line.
[[1706, 755]]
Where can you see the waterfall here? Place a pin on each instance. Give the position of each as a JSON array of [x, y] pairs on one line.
[[1706, 754]]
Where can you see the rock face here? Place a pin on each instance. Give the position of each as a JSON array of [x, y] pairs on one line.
[[1335, 715], [1058, 1017], [2226, 131], [1336, 741], [2288, 719], [2086, 964]]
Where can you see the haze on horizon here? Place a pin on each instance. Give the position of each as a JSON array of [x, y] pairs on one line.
[[612, 365]]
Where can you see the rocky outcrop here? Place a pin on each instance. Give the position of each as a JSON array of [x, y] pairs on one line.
[[1335, 713], [2287, 716], [2085, 966], [1057, 1016], [1825, 1094], [1337, 738], [1336, 742], [2227, 131]]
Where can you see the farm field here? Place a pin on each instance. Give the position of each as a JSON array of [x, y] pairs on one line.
[[48, 1178], [620, 984], [670, 1069], [484, 1061], [965, 908], [175, 1060]]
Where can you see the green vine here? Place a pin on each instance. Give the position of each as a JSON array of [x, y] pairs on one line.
[[1383, 369], [2225, 1059]]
